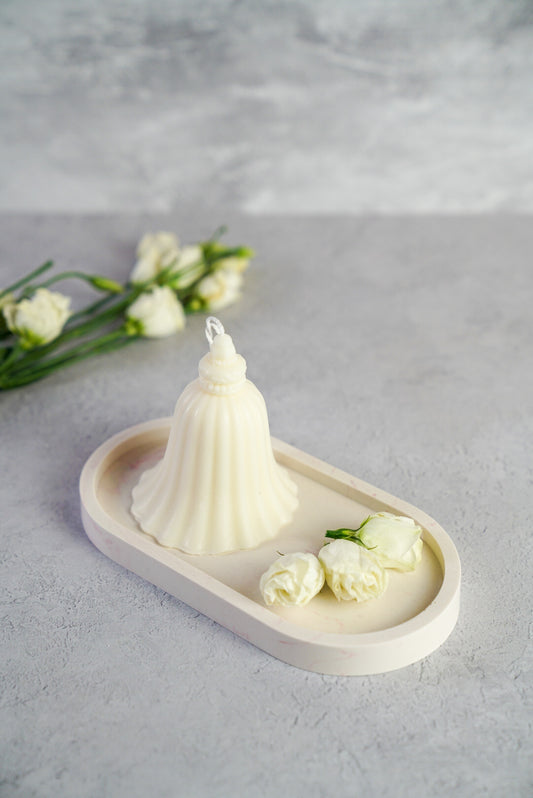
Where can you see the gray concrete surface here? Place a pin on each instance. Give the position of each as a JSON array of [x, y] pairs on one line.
[[317, 106], [398, 349]]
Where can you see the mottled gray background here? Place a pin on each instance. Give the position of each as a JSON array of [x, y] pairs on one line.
[[313, 106], [378, 156]]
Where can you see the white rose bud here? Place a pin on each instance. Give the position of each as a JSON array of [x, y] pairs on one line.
[[233, 264], [160, 242], [157, 313], [6, 299], [155, 252], [146, 268], [220, 289], [38, 320], [394, 539], [189, 267], [351, 571], [292, 580]]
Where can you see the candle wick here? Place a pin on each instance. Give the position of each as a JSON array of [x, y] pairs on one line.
[[213, 327]]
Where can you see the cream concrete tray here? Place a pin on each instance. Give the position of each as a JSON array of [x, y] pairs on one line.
[[415, 615]]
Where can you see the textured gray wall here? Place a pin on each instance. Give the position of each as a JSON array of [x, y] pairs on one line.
[[312, 106]]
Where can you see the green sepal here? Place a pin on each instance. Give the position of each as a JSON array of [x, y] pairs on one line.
[[106, 284], [349, 534], [133, 327]]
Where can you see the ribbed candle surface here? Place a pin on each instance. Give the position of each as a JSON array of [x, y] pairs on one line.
[[218, 487]]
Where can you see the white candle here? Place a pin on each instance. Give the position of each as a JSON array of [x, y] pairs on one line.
[[218, 487]]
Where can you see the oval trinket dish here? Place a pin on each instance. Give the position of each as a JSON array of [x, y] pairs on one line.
[[414, 617]]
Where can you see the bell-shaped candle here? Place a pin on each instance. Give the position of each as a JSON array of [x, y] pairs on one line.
[[218, 487]]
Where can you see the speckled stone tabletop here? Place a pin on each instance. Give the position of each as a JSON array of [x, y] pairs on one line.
[[398, 349]]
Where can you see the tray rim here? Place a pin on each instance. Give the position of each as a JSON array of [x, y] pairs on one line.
[[443, 608]]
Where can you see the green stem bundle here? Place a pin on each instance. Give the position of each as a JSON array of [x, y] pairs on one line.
[[99, 327]]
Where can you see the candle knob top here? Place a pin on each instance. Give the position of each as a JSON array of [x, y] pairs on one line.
[[222, 371], [213, 326]]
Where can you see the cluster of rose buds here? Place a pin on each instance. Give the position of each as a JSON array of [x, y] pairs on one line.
[[40, 333], [354, 564]]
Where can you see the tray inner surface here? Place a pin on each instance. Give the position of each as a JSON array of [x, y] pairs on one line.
[[321, 507]]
